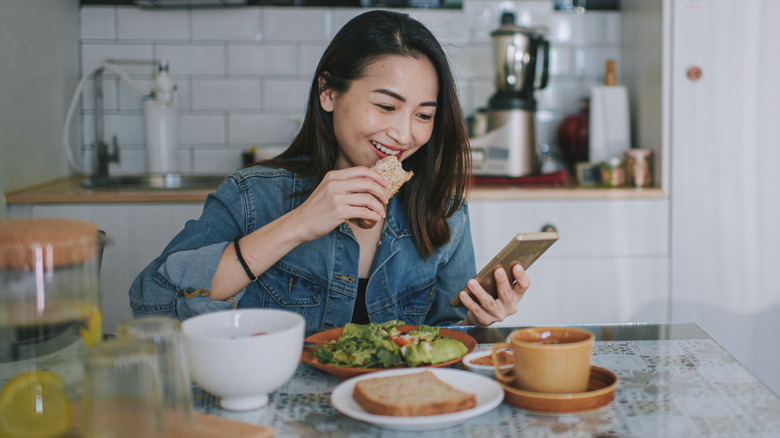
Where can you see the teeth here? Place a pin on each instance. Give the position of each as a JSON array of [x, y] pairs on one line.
[[384, 149]]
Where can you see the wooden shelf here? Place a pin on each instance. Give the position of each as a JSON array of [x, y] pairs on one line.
[[504, 193]]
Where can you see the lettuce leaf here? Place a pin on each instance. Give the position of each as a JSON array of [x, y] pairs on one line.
[[444, 349]]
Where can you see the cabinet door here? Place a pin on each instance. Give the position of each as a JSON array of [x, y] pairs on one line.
[[137, 234], [725, 152], [610, 263]]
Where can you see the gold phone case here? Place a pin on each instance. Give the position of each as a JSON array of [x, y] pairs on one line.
[[524, 248]]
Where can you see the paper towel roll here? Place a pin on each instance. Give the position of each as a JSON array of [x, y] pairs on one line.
[[609, 123]]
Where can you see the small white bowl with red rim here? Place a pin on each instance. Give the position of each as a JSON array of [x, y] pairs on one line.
[[483, 356]]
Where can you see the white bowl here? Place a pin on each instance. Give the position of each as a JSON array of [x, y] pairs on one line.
[[243, 355], [488, 370]]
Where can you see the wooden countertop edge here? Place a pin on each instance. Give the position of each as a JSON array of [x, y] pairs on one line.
[[68, 191], [503, 193]]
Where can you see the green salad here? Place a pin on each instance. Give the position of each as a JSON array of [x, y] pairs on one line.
[[382, 345]]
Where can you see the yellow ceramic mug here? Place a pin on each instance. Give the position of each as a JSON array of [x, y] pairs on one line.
[[548, 359]]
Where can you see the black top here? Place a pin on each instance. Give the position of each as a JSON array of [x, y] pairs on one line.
[[359, 312]]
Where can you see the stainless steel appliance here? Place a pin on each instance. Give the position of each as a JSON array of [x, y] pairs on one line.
[[503, 139]]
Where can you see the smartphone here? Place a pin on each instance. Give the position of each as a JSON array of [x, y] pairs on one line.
[[524, 248]]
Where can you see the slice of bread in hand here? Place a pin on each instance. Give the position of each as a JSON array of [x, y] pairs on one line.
[[395, 176], [411, 395]]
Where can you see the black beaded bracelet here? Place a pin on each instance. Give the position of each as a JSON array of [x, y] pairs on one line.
[[242, 261]]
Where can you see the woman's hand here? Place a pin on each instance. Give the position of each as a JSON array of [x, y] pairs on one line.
[[356, 192], [486, 310]]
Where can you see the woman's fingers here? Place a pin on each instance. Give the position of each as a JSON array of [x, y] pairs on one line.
[[486, 309], [357, 180], [476, 315], [362, 205], [506, 295], [511, 291], [357, 192], [522, 280]]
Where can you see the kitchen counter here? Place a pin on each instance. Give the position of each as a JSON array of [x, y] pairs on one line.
[[68, 191]]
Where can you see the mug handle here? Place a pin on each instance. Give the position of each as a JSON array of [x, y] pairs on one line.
[[500, 376]]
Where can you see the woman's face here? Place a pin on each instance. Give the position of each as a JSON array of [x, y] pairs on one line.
[[388, 111]]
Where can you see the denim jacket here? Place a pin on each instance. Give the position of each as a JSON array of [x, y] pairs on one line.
[[317, 279]]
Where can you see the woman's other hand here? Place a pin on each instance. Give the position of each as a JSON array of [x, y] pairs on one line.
[[355, 192], [486, 310]]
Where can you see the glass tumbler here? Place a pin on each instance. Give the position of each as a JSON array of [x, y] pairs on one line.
[[166, 336], [122, 394], [49, 316]]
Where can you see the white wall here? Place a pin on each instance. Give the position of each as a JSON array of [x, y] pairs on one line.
[[38, 69], [725, 208]]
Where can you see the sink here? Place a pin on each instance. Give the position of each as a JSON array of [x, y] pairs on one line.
[[169, 181]]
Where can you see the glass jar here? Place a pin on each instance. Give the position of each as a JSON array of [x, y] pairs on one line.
[[613, 173], [639, 167], [49, 316]]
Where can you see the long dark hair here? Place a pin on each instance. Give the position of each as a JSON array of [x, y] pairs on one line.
[[442, 167]]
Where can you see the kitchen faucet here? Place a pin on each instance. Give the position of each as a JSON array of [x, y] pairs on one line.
[[102, 152]]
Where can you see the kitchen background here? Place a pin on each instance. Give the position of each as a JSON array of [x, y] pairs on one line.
[[704, 247], [243, 74]]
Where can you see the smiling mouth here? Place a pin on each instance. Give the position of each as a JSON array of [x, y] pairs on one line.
[[385, 150]]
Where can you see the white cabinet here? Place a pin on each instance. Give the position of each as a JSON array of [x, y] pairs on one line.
[[610, 263], [137, 234], [725, 208]]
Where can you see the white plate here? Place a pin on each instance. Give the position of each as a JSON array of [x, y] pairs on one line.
[[489, 395]]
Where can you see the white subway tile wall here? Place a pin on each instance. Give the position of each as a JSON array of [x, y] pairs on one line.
[[243, 74], [228, 25], [154, 25], [197, 60]]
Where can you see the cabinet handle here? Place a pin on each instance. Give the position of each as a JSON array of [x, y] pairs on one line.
[[549, 227], [694, 73]]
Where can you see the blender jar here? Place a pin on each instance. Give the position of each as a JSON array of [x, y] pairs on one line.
[[49, 316]]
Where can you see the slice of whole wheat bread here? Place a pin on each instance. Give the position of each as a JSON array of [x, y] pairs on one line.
[[411, 395], [395, 176]]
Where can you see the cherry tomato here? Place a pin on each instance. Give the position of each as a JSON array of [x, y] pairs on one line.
[[403, 340]]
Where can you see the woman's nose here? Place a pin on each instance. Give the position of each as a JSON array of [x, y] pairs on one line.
[[400, 131]]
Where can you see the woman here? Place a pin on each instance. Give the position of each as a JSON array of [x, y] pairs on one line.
[[277, 234]]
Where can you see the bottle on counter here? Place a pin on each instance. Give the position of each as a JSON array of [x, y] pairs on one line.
[[161, 124], [613, 173], [639, 167]]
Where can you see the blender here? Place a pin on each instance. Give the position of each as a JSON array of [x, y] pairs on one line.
[[503, 140]]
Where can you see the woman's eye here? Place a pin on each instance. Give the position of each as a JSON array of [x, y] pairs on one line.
[[425, 117], [385, 107]]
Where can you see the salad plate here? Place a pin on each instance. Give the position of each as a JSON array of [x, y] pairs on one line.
[[489, 395], [345, 372]]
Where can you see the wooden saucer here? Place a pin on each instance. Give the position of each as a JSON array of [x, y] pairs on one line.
[[600, 393]]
